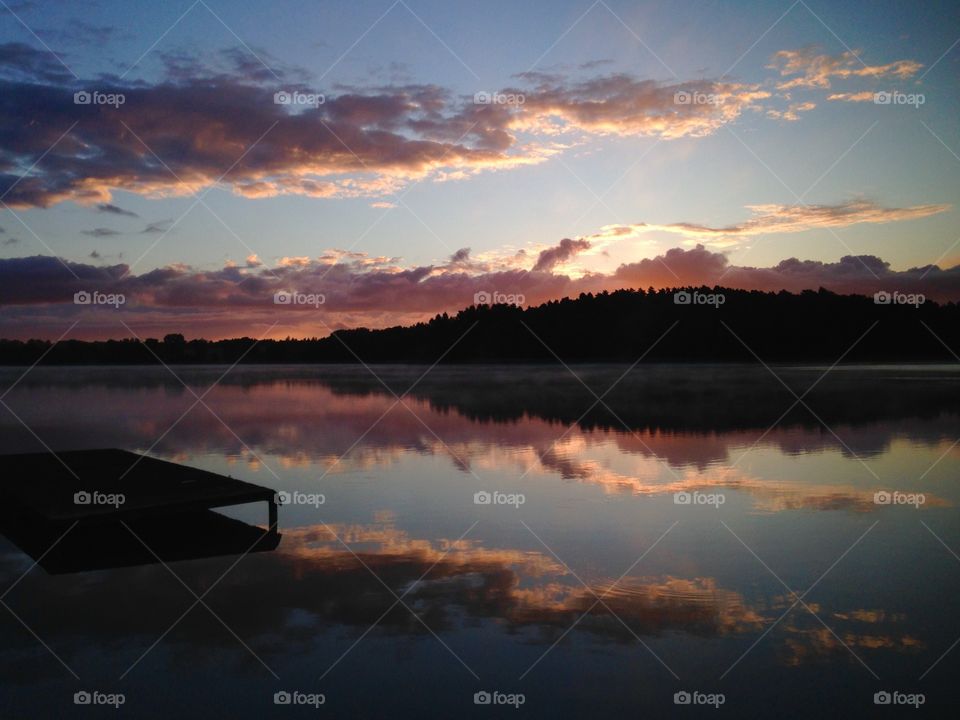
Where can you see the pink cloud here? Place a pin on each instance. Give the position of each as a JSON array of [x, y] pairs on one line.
[[38, 292]]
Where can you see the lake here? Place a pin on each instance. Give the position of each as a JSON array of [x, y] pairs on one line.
[[601, 541]]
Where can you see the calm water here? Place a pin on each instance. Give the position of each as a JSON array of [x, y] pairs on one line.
[[591, 589]]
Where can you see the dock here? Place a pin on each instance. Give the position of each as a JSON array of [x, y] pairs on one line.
[[97, 500], [53, 486]]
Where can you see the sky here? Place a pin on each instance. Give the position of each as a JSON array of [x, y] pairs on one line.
[[223, 168]]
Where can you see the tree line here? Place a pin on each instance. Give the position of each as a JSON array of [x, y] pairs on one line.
[[618, 326]]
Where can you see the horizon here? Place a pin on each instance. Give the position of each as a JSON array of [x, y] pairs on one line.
[[487, 300], [202, 170]]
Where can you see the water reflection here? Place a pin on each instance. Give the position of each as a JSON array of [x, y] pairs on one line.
[[501, 587], [338, 422]]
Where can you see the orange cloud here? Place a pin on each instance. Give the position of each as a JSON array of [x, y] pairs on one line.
[[781, 219], [816, 70]]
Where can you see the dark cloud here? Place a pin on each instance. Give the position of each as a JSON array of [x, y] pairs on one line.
[[566, 249], [460, 256], [593, 64], [375, 292], [84, 33], [114, 210], [352, 142], [852, 274], [19, 60], [156, 227], [101, 232]]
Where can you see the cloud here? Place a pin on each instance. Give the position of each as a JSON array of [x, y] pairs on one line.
[[593, 64], [460, 257], [11, 241], [80, 32], [860, 274], [19, 60], [294, 262], [866, 96], [814, 69], [779, 219], [226, 126], [160, 226], [360, 290], [358, 143], [622, 105], [566, 249], [100, 232], [114, 210], [792, 113]]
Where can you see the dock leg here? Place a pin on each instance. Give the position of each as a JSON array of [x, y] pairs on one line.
[[273, 516]]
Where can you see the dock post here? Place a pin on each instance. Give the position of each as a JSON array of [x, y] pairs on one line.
[[273, 515]]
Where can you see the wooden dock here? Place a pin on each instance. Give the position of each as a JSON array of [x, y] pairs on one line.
[[87, 485], [105, 497]]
